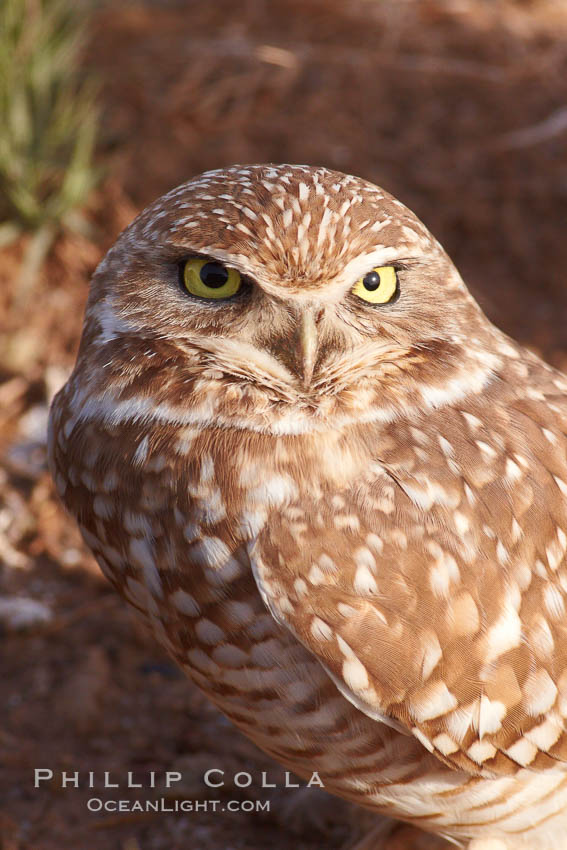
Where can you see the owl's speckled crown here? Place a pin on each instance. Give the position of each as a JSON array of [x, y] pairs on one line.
[[305, 224]]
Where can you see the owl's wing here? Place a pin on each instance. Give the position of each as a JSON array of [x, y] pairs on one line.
[[445, 618]]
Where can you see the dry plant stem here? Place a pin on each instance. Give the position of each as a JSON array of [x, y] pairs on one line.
[[301, 52], [34, 255], [9, 232], [551, 127]]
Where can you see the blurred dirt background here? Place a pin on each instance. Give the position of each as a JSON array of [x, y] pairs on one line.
[[459, 107]]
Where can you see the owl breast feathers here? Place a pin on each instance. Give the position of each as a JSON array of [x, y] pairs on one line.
[[335, 492]]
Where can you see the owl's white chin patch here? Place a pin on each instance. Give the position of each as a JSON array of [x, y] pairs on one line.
[[285, 419]]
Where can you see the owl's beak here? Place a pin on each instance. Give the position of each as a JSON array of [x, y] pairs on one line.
[[308, 338]]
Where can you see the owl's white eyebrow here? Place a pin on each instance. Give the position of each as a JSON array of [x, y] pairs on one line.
[[182, 252], [382, 256]]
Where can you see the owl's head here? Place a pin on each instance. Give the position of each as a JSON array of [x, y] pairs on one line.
[[280, 298]]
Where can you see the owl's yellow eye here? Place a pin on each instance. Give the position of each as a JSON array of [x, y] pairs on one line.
[[210, 279], [378, 286]]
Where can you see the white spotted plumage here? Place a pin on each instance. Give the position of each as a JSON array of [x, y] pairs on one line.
[[356, 547]]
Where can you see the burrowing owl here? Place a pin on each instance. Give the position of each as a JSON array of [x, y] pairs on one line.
[[337, 494]]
